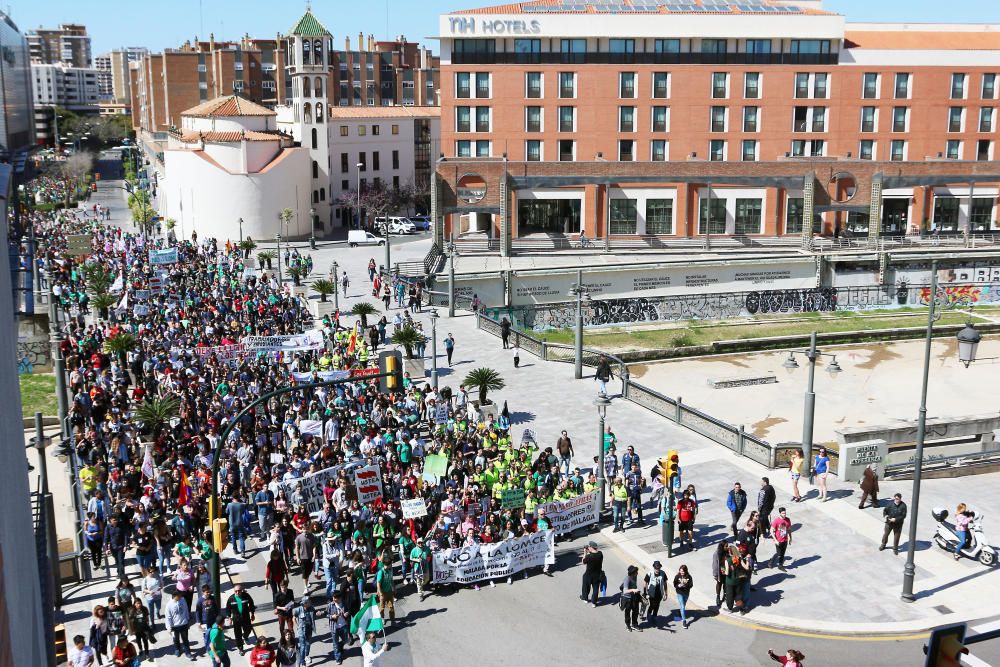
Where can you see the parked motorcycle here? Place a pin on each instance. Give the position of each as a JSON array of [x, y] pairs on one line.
[[977, 545]]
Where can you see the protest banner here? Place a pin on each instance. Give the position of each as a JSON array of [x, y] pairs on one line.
[[436, 464], [161, 257], [140, 310], [312, 427], [441, 413], [478, 562], [307, 340], [229, 354], [321, 376], [413, 509], [512, 498], [369, 484], [312, 487], [568, 515], [142, 295]]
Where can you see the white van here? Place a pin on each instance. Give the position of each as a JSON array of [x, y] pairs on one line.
[[356, 237]]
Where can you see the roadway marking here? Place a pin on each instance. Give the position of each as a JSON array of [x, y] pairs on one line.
[[986, 627], [973, 661]]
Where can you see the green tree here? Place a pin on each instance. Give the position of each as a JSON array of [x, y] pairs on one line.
[[324, 288], [409, 338], [363, 309], [103, 303], [120, 345], [266, 257], [154, 413], [485, 380]]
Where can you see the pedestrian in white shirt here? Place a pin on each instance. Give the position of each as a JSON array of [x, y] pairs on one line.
[[371, 655]]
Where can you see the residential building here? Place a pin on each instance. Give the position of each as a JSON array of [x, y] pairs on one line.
[[17, 128], [74, 88], [384, 73], [68, 45], [113, 78], [105, 88], [773, 81]]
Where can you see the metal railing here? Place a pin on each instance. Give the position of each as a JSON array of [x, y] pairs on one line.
[[932, 463], [729, 436]]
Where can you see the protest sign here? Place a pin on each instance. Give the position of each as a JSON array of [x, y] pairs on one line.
[[568, 515], [321, 376], [161, 257], [478, 562], [312, 427], [229, 354], [140, 310], [312, 487], [369, 484], [413, 509], [441, 413], [436, 464], [142, 295], [307, 340], [512, 498]]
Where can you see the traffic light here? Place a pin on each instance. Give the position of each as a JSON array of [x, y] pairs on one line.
[[946, 646], [220, 534], [673, 461], [390, 364]]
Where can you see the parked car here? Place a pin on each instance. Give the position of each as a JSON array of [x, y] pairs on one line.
[[421, 222], [397, 225], [356, 237]]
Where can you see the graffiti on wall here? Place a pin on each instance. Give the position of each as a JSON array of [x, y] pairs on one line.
[[820, 300], [32, 353], [967, 295]]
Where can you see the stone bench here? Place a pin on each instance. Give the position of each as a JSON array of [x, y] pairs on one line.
[[743, 381]]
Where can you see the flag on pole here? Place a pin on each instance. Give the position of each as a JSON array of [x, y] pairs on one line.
[[184, 493], [369, 619], [148, 467], [353, 340]]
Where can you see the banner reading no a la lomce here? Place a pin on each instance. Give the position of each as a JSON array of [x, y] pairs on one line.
[[479, 562]]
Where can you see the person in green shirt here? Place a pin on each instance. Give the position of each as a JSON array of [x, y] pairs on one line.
[[386, 595], [217, 643], [619, 500], [420, 558]]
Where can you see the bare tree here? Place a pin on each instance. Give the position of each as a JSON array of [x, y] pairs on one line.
[[380, 200], [73, 170]]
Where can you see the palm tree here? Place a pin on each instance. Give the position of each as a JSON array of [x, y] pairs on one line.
[[247, 246], [156, 412], [103, 303], [98, 278], [409, 338], [266, 256], [285, 217], [363, 309], [484, 379], [323, 287], [298, 273], [120, 345]]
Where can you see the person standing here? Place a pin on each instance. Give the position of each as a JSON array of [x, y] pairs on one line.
[[593, 562], [305, 552], [371, 655], [686, 510], [305, 625], [682, 586], [178, 620], [894, 514], [505, 332], [206, 613], [262, 654], [635, 483], [449, 347], [765, 504], [781, 532], [821, 469], [81, 655], [630, 598], [869, 486], [216, 647], [237, 529], [337, 614], [736, 502], [603, 375], [517, 356], [795, 471], [656, 590], [619, 503], [240, 607], [565, 448]]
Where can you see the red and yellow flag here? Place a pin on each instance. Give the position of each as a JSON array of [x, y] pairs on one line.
[[184, 494]]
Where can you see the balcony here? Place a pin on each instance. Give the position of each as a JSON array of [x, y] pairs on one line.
[[644, 58]]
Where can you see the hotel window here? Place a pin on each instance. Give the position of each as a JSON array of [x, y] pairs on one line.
[[483, 148], [958, 86], [626, 85], [868, 119], [395, 129], [623, 214], [661, 85], [482, 119], [567, 119], [362, 130], [717, 150], [718, 119], [719, 46], [897, 150], [869, 90], [800, 119], [801, 86], [953, 149], [748, 216], [749, 150], [720, 85], [463, 148], [463, 119], [567, 150], [867, 150], [986, 119], [820, 88], [751, 85], [660, 119], [376, 162], [626, 150], [463, 85], [761, 46], [573, 50], [810, 46], [363, 161], [533, 85], [621, 46], [946, 213], [902, 87], [667, 46], [751, 119], [799, 148], [658, 150], [659, 216], [989, 86], [899, 118], [794, 212], [527, 50], [981, 217], [533, 150], [533, 119], [482, 84], [818, 148], [955, 119], [626, 119], [819, 119], [567, 85], [984, 150], [376, 130], [712, 218]]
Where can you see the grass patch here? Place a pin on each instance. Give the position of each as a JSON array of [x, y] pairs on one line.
[[38, 394]]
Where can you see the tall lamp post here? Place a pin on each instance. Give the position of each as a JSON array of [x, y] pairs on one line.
[[336, 287], [833, 368], [602, 403], [581, 292], [451, 278], [241, 231], [434, 348], [358, 166], [277, 239], [312, 234]]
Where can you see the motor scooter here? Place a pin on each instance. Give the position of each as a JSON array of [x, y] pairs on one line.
[[977, 545]]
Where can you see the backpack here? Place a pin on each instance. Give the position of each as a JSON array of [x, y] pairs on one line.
[[655, 583]]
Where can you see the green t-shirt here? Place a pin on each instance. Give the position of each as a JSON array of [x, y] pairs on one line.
[[217, 638], [384, 580]]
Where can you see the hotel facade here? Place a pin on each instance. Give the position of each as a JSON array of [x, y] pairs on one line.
[[657, 118]]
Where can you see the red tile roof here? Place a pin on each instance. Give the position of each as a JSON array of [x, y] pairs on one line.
[[192, 136], [228, 106]]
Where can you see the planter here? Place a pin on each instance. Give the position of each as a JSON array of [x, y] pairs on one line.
[[300, 290], [320, 309], [487, 411]]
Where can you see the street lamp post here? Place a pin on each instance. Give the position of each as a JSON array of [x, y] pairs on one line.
[[812, 354], [241, 231], [312, 235], [336, 287], [358, 166], [451, 278], [602, 403], [434, 349], [581, 292], [277, 239]]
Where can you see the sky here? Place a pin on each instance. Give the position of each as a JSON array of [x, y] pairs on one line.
[[157, 24]]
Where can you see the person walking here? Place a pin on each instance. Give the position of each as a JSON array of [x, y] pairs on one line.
[[821, 469], [505, 333], [792, 658], [869, 486], [81, 655], [337, 614], [765, 504], [619, 502], [795, 471], [241, 609], [371, 270], [736, 502], [305, 626], [630, 595], [449, 347], [178, 620], [564, 445], [216, 647], [593, 562], [345, 282], [894, 514], [603, 375], [235, 511], [656, 590], [371, 655], [718, 568], [635, 483], [517, 356], [781, 532], [262, 654], [683, 583], [386, 594]]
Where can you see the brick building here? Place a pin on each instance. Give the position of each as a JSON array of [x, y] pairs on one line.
[[699, 85], [67, 45]]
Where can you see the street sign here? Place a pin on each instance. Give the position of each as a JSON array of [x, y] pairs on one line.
[[364, 372]]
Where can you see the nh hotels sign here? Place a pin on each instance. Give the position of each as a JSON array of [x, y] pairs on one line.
[[467, 25]]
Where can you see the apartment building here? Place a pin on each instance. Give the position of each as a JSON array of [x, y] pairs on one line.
[[68, 45], [113, 79], [719, 81]]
